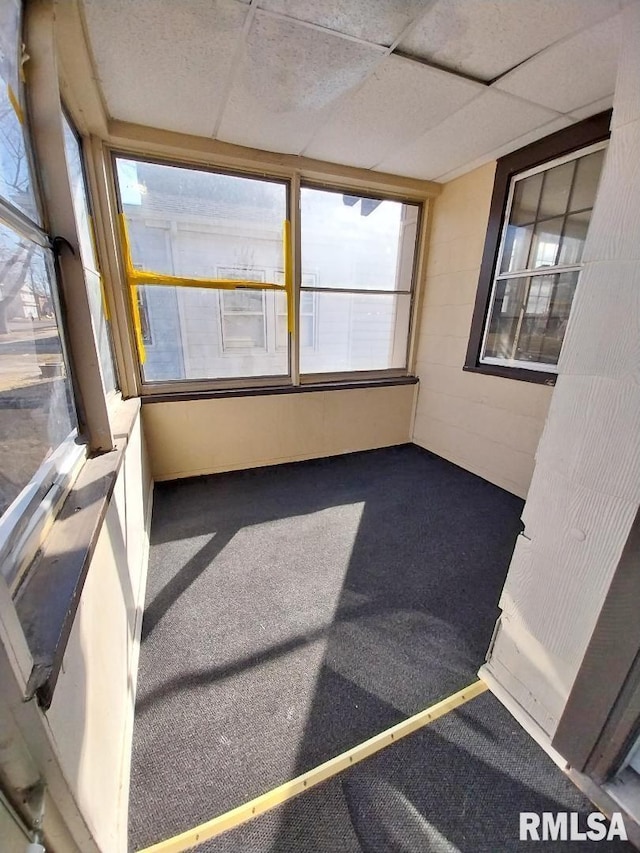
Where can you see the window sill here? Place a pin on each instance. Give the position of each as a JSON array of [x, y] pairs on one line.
[[48, 599], [309, 387], [538, 377]]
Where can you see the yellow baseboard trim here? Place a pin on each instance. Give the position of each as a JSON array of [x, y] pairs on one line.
[[279, 795]]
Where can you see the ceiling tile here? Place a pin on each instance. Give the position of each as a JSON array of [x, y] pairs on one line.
[[399, 102], [380, 22], [520, 142], [586, 65], [485, 39], [160, 63], [289, 79], [594, 108], [488, 122]]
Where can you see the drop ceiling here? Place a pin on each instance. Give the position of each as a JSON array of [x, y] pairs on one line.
[[424, 88]]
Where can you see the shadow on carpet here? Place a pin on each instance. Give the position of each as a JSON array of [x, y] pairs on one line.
[[294, 611]]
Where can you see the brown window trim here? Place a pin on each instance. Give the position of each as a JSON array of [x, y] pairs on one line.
[[587, 132]]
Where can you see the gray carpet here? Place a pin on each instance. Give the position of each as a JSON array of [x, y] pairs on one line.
[[457, 786], [294, 611]]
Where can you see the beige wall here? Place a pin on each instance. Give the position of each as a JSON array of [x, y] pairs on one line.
[[489, 425], [187, 438], [585, 491], [91, 717]]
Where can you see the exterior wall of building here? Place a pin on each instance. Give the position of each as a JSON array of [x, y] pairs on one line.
[[585, 491], [486, 424], [188, 438]]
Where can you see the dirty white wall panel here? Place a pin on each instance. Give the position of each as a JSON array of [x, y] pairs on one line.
[[233, 433], [91, 717], [585, 490], [487, 424]]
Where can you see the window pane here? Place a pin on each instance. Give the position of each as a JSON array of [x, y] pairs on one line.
[[197, 333], [36, 410], [573, 239], [555, 190], [358, 332], [357, 243], [545, 243], [93, 282], [525, 200], [529, 317], [545, 319], [15, 177], [542, 230], [211, 220], [586, 183], [503, 324], [517, 243]]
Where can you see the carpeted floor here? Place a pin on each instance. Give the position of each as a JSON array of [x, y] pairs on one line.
[[456, 786], [294, 611]]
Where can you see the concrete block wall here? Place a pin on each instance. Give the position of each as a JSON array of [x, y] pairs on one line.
[[486, 424]]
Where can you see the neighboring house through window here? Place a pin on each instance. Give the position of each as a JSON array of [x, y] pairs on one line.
[[198, 230]]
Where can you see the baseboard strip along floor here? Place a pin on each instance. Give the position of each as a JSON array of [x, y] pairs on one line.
[[279, 795]]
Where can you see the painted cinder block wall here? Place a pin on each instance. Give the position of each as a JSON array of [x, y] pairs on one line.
[[486, 424]]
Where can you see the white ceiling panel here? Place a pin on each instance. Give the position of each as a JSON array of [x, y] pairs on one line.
[[161, 63], [594, 108], [290, 78], [485, 38], [572, 73], [380, 21], [399, 102], [488, 122], [526, 139]]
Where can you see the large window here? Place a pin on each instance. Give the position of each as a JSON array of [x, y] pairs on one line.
[[360, 252], [212, 283], [535, 257], [214, 243], [37, 415]]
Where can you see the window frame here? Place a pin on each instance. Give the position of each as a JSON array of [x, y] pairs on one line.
[[294, 180], [538, 156], [361, 375]]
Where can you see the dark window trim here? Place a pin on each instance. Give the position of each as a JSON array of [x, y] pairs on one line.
[[566, 141], [310, 387]]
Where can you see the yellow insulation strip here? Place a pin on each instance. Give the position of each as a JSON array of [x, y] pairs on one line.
[[137, 324], [137, 277], [15, 103], [103, 300], [158, 279], [300, 784], [288, 270], [133, 290]]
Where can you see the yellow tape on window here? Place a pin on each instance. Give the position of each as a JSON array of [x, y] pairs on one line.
[[136, 278], [288, 271], [15, 103]]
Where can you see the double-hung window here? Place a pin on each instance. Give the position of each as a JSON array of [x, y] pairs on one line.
[[533, 260], [358, 266], [220, 296]]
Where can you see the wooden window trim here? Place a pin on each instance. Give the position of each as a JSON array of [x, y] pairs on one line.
[[563, 142]]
